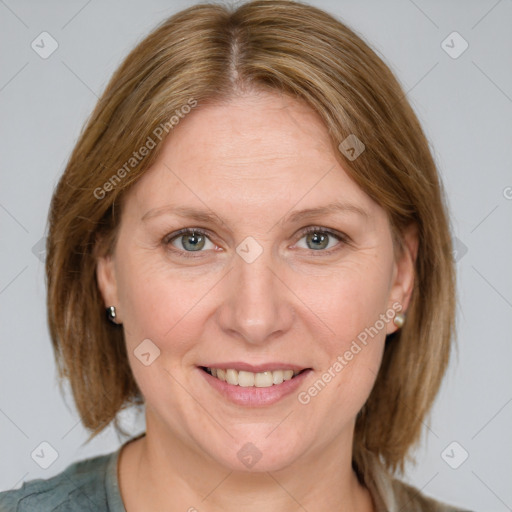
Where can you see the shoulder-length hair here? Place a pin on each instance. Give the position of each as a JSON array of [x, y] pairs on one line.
[[212, 52]]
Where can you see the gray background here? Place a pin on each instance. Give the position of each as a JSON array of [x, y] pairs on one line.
[[465, 105]]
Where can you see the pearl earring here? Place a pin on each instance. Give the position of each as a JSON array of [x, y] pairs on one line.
[[399, 320]]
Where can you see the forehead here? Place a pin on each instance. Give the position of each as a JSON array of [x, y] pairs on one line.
[[264, 150], [254, 129]]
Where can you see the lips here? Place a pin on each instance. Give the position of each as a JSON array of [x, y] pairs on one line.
[[243, 378], [255, 387]]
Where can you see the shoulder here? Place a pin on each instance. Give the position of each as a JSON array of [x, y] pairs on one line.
[[393, 495], [406, 497], [80, 487]]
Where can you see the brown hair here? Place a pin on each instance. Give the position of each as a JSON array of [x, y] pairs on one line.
[[211, 52]]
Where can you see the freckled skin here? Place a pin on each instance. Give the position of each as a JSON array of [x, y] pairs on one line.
[[252, 161]]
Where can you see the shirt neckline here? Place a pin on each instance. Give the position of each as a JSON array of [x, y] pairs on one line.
[[379, 489], [114, 500]]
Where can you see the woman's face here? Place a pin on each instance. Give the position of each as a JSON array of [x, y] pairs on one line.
[[251, 288]]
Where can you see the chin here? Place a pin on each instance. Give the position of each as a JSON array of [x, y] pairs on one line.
[[260, 455]]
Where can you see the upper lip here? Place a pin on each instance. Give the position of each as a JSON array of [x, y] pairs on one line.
[[255, 368]]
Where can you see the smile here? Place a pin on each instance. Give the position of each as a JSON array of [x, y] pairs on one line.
[[246, 379], [252, 385]]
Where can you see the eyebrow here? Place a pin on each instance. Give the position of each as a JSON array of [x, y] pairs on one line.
[[296, 216], [183, 211], [325, 210]]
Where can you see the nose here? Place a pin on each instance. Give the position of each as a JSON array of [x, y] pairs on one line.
[[257, 305]]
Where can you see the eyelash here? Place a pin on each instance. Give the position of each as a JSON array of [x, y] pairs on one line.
[[306, 231]]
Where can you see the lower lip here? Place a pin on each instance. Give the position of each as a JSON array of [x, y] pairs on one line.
[[253, 396]]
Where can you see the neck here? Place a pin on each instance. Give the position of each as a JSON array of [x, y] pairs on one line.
[[164, 473]]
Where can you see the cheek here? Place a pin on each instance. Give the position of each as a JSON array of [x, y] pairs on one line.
[[355, 312], [157, 305], [351, 299], [158, 301]]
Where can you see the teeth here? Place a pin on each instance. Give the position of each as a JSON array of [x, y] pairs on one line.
[[232, 377], [277, 376], [245, 379], [248, 379]]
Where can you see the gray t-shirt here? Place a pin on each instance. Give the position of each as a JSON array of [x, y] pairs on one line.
[[87, 485]]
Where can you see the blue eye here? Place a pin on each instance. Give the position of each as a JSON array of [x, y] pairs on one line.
[[190, 240], [320, 239]]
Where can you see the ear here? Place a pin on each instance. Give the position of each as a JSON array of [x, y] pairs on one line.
[[404, 272], [107, 283]]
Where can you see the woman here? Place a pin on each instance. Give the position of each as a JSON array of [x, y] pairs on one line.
[[254, 204]]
